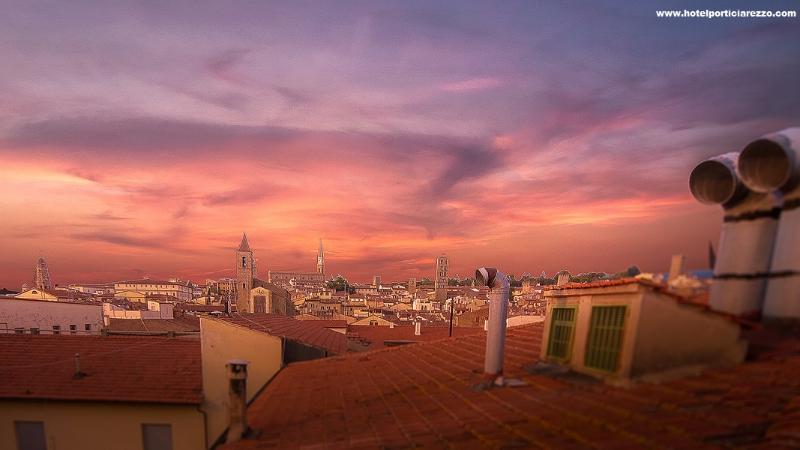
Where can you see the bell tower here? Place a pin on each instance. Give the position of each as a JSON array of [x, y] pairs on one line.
[[245, 271], [320, 259]]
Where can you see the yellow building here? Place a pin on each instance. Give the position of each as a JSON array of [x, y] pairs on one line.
[[93, 392], [632, 328]]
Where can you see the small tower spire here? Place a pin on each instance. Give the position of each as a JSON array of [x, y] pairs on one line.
[[244, 246], [320, 259]]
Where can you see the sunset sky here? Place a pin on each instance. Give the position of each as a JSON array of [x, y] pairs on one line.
[[143, 139]]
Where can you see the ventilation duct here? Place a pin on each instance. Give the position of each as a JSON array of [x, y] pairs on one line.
[[772, 164], [499, 289], [747, 238]]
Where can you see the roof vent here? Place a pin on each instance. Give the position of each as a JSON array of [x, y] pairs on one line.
[[237, 399], [747, 238], [78, 373], [499, 288]]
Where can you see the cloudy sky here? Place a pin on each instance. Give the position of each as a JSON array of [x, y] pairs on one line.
[[142, 139]]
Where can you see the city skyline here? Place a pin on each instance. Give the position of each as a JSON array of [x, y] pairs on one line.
[[135, 145]]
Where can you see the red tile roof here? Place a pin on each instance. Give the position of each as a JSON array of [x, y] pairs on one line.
[[331, 323], [183, 324], [747, 322], [305, 331], [422, 395], [374, 337], [119, 369]]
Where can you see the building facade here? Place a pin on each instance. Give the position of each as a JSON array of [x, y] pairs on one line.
[[22, 316], [181, 292]]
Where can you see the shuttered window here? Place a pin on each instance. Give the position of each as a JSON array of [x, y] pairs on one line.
[[605, 337], [559, 345]]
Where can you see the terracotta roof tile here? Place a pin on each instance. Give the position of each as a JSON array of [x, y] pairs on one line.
[[123, 369], [422, 395], [306, 331], [187, 323], [374, 337]]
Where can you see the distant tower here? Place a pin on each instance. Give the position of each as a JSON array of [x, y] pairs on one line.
[[676, 266], [440, 284], [320, 259], [245, 271], [42, 276], [412, 286]]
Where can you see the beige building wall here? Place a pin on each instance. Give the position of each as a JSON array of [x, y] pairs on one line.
[[101, 425], [222, 342], [659, 333], [689, 338]]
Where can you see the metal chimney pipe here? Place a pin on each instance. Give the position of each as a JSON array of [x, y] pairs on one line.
[[237, 399], [747, 237], [499, 289], [772, 164]]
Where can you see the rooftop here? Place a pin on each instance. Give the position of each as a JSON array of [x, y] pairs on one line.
[[309, 332], [118, 369], [423, 395], [374, 337], [183, 324]]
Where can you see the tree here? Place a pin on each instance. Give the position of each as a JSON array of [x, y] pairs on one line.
[[340, 283]]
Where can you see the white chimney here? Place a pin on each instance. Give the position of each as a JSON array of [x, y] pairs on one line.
[[237, 399], [417, 328], [498, 313], [772, 164], [747, 238]]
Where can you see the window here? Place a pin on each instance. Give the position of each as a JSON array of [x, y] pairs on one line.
[[19, 330], [34, 331], [244, 263], [562, 326], [605, 337], [30, 435], [87, 327], [73, 329], [156, 437], [56, 329]]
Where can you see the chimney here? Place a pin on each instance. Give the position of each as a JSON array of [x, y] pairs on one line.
[[562, 278], [417, 328], [771, 164], [78, 372], [747, 238], [237, 399], [499, 289]]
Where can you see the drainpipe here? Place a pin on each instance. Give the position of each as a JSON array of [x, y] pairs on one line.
[[747, 238], [772, 164], [237, 399], [499, 289]]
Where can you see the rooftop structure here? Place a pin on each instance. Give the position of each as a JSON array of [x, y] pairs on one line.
[[423, 395], [121, 369]]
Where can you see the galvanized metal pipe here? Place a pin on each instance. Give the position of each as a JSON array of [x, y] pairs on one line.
[[772, 164], [499, 290], [747, 237]]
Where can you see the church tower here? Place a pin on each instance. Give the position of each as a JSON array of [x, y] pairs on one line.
[[245, 271], [42, 276], [320, 260]]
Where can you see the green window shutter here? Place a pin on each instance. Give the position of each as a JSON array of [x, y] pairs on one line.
[[605, 337], [562, 325]]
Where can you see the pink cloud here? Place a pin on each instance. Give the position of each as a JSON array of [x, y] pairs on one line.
[[472, 84]]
